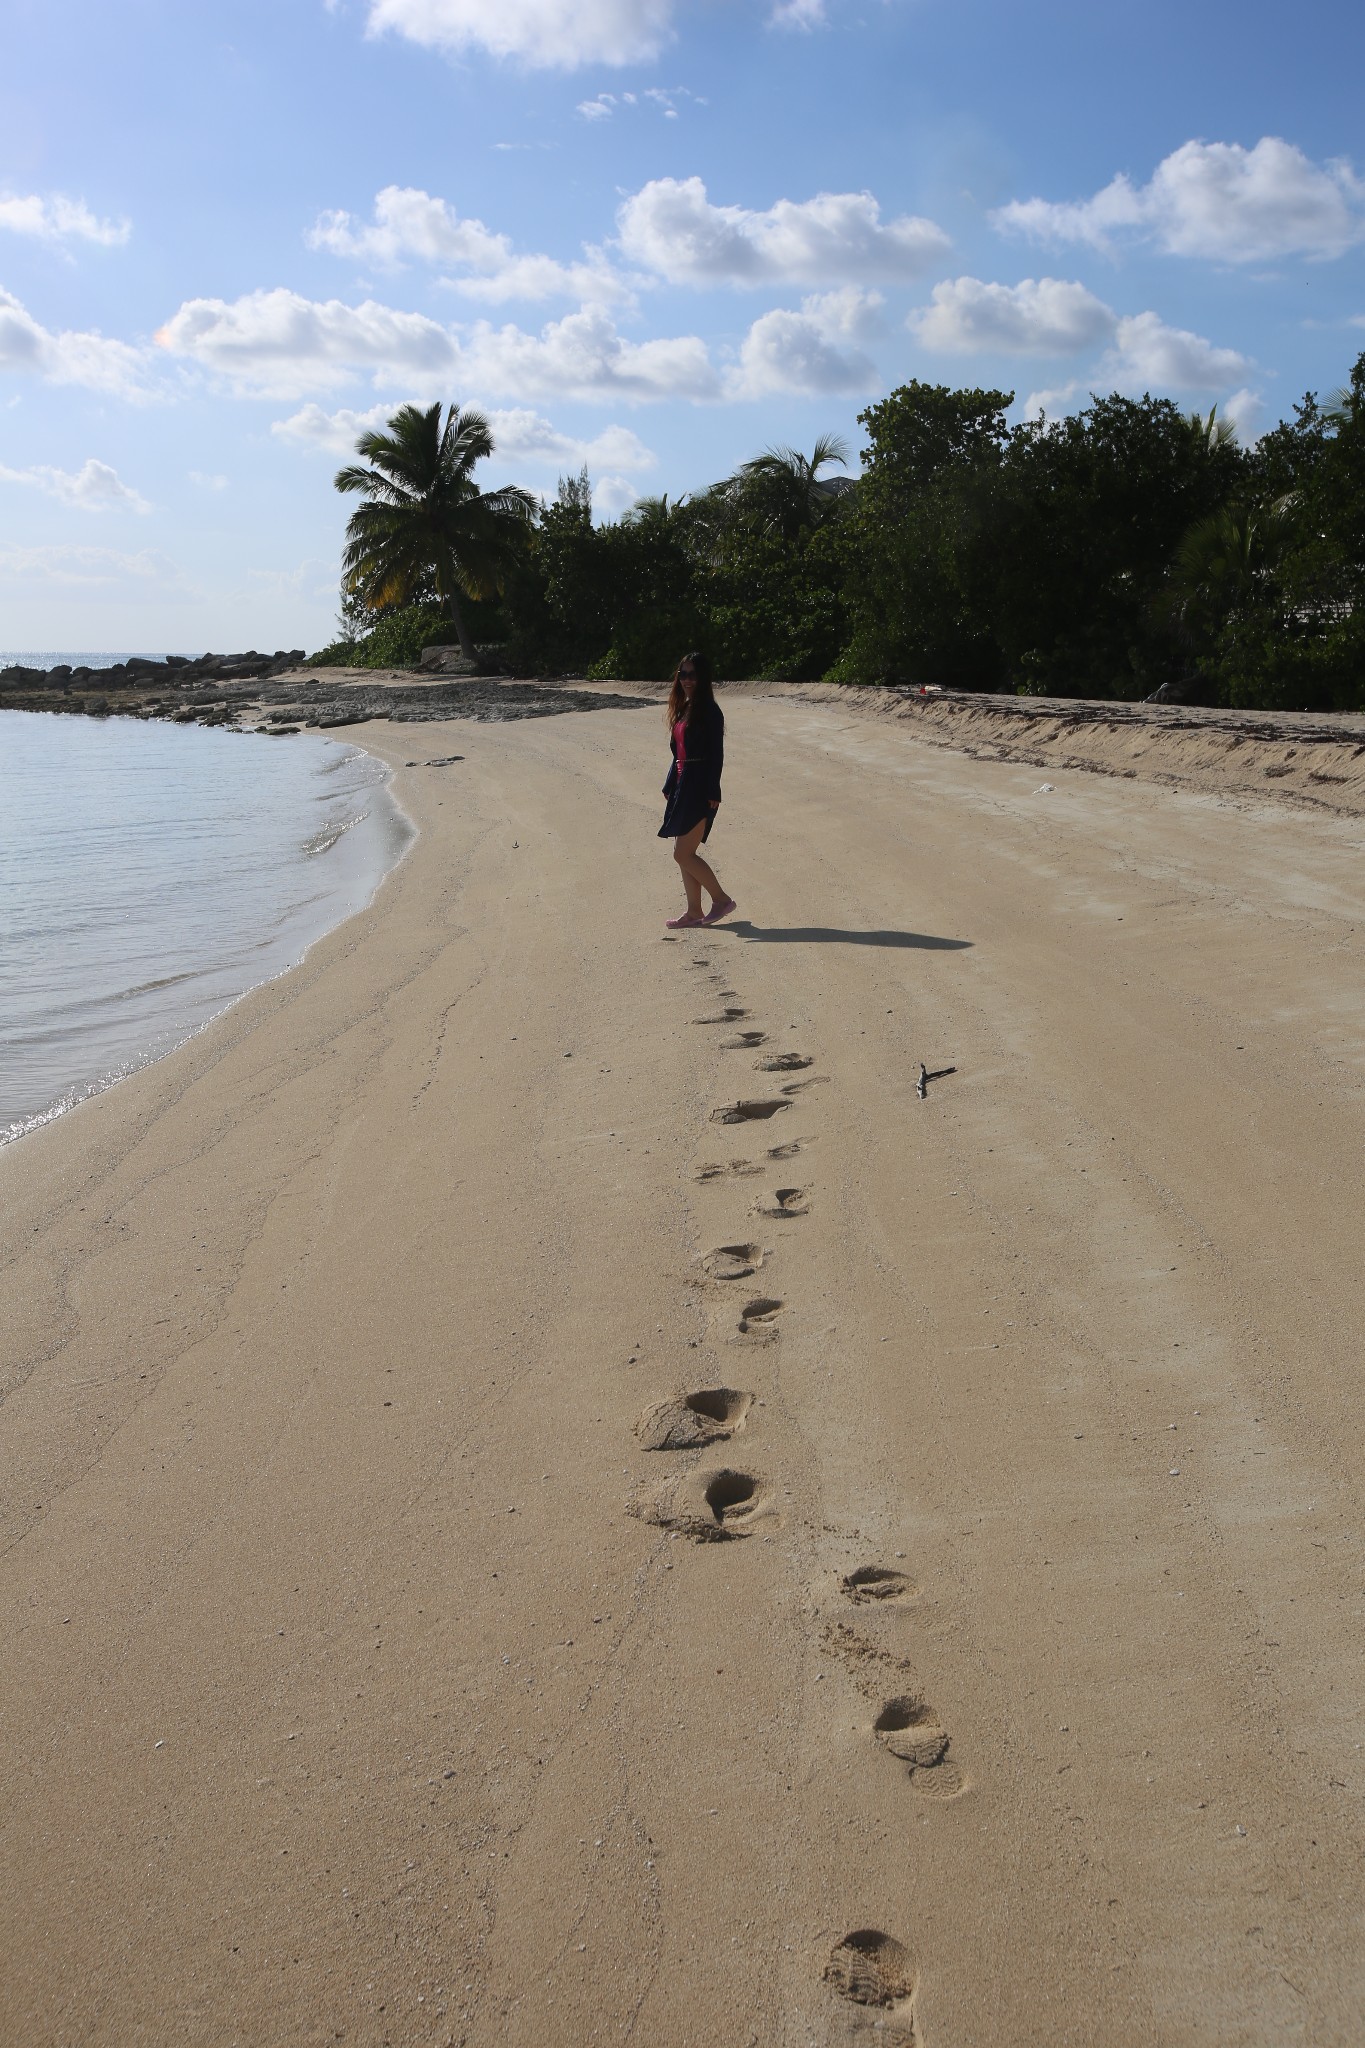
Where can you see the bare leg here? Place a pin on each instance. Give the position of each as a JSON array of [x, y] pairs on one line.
[[697, 874], [689, 880]]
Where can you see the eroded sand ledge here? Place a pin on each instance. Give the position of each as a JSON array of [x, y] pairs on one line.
[[344, 1696]]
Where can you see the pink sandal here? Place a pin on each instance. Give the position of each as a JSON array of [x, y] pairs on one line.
[[720, 910], [682, 924]]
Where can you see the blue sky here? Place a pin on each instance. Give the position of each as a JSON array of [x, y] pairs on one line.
[[654, 236]]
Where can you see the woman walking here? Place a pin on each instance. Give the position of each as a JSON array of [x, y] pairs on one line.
[[697, 725]]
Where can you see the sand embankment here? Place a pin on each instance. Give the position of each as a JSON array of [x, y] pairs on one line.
[[345, 1698]]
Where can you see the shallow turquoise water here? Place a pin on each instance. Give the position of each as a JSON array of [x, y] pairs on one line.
[[150, 874]]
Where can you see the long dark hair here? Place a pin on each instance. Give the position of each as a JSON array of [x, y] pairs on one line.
[[703, 696]]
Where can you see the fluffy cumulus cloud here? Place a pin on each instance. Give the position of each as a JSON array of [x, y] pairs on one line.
[[411, 226], [1149, 353], [550, 34], [280, 344], [67, 357], [519, 436], [1053, 317], [55, 218], [94, 487], [283, 344], [1216, 200], [672, 228], [584, 357], [806, 354], [1039, 316]]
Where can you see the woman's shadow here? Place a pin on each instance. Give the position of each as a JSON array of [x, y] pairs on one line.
[[832, 935]]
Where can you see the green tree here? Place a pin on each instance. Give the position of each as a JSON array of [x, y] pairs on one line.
[[425, 527], [783, 491], [1301, 644], [1092, 508], [918, 545]]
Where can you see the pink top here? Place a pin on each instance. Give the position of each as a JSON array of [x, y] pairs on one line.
[[679, 741]]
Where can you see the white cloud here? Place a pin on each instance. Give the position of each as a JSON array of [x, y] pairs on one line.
[[801, 14], [800, 354], [1038, 316], [206, 482], [548, 34], [523, 436], [671, 227], [584, 357], [1150, 353], [1246, 410], [94, 487], [613, 495], [1147, 355], [1052, 402], [334, 432], [59, 219], [278, 344], [519, 436], [412, 225], [664, 98], [1216, 200], [69, 357], [76, 567], [1048, 316], [281, 344]]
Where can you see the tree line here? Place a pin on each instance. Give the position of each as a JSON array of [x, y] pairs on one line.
[[1123, 549]]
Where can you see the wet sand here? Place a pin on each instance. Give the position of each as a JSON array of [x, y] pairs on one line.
[[369, 1678]]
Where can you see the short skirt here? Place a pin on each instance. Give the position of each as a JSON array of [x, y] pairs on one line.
[[684, 810]]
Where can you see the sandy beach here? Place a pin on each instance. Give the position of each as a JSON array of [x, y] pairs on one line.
[[370, 1678]]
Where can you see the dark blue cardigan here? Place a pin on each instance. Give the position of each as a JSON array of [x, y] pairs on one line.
[[694, 791]]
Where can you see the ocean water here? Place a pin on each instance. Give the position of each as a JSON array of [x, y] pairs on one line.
[[74, 660], [150, 874]]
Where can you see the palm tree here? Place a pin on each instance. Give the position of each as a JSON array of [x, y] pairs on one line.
[[791, 482], [425, 522], [1211, 432], [1222, 558]]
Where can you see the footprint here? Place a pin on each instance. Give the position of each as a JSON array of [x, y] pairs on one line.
[[789, 1150], [815, 1081], [686, 1420], [871, 1968], [744, 1041], [758, 1318], [911, 1731], [733, 1169], [877, 1582], [747, 1112], [732, 1261], [731, 1014], [784, 1202], [733, 1496], [711, 1507], [785, 1063]]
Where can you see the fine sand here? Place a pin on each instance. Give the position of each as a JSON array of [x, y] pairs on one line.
[[391, 1653]]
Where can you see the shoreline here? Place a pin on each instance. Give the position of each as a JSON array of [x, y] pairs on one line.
[[367, 1674], [164, 1039], [1316, 759]]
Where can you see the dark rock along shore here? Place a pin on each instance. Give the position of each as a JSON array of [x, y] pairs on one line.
[[268, 692]]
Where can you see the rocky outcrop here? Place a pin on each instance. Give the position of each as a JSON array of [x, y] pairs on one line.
[[176, 671], [276, 693]]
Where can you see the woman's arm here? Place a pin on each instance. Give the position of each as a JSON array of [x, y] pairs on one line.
[[715, 755]]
